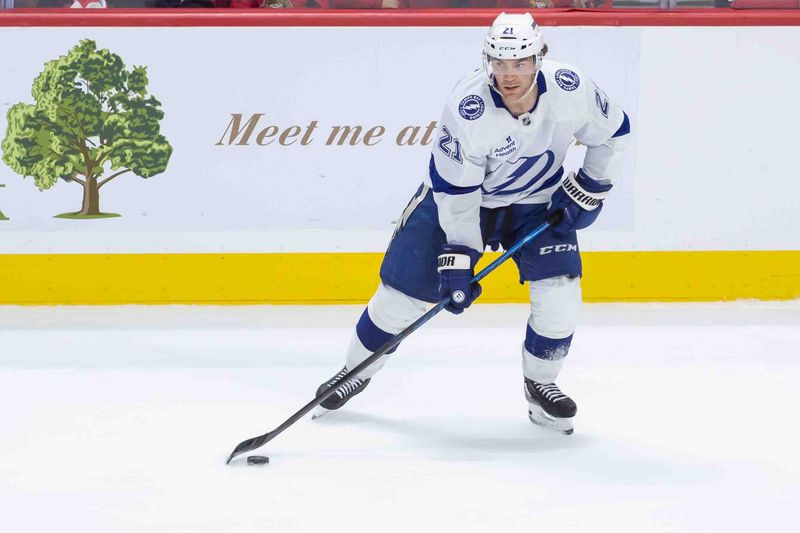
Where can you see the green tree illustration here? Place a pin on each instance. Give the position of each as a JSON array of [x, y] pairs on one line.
[[91, 116]]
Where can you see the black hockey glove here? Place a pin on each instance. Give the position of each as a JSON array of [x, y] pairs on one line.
[[456, 268]]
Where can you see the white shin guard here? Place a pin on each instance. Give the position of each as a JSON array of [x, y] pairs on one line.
[[555, 306], [390, 312]]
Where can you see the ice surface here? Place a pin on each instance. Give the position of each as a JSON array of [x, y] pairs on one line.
[[120, 420]]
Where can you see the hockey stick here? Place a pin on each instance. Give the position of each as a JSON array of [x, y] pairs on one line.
[[257, 442]]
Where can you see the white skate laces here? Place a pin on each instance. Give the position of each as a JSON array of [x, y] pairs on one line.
[[348, 387], [551, 392]]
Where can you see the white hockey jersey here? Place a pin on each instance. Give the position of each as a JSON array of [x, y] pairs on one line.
[[485, 157]]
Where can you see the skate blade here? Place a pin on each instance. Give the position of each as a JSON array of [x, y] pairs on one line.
[[540, 418], [319, 412]]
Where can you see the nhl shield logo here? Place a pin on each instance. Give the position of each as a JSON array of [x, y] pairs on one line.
[[567, 80], [471, 107]]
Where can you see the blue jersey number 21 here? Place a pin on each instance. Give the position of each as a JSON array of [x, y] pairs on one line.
[[445, 142]]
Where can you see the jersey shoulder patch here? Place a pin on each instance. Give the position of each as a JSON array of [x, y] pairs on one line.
[[567, 79], [471, 107]]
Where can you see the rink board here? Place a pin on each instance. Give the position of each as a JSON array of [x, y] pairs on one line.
[[293, 213], [352, 278]]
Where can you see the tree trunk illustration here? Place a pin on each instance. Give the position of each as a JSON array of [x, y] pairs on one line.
[[2, 216], [91, 197]]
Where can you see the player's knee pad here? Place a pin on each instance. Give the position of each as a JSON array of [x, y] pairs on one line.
[[555, 306], [388, 313], [393, 311]]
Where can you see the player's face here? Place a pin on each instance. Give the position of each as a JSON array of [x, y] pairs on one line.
[[513, 77]]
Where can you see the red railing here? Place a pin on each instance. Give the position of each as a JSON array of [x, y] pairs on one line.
[[450, 17]]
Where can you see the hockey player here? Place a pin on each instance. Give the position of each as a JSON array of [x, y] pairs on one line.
[[494, 174]]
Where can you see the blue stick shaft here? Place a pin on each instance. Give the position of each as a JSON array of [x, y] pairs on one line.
[[508, 253]]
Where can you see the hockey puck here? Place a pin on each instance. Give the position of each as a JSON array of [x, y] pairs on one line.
[[257, 460]]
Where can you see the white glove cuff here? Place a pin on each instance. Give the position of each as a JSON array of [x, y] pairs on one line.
[[587, 200], [454, 262]]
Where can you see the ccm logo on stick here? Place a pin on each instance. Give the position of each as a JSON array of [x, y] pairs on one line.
[[558, 248]]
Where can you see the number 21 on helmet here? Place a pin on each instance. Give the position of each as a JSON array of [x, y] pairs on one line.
[[513, 37]]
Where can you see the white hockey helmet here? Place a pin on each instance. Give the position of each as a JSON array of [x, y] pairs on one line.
[[513, 37]]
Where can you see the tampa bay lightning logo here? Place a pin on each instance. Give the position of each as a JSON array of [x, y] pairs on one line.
[[531, 169], [471, 107], [567, 80]]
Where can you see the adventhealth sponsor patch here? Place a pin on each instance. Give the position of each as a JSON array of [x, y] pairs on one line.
[[567, 80], [471, 107], [509, 148]]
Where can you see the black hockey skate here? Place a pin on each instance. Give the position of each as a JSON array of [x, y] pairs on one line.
[[549, 407], [343, 393]]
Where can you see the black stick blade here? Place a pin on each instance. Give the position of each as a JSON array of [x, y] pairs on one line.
[[248, 445]]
